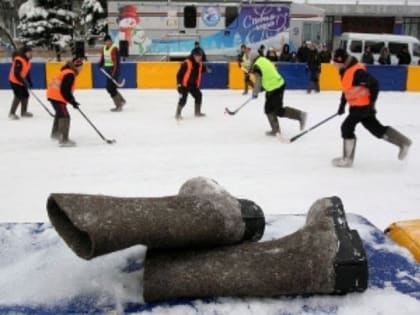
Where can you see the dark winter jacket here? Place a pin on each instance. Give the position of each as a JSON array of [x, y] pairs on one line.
[[367, 58], [192, 76], [302, 54], [313, 61], [325, 56], [404, 57], [285, 53]]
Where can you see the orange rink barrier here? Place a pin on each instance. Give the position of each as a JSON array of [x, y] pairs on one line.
[[83, 80]]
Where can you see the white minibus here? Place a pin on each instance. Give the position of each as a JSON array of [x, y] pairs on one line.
[[355, 44]]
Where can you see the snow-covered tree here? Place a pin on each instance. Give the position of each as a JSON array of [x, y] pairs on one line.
[[93, 18], [45, 23]]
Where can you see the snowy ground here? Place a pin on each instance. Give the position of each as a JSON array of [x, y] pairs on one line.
[[154, 154]]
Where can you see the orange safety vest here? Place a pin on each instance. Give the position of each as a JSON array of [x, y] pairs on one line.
[[188, 73], [26, 66], [54, 88], [355, 95]]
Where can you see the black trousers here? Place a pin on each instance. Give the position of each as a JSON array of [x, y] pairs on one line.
[[60, 109], [110, 86], [274, 102], [367, 117], [194, 91], [20, 91]]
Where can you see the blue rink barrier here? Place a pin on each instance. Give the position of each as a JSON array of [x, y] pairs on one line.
[[295, 75], [128, 72], [217, 78], [25, 246], [390, 77]]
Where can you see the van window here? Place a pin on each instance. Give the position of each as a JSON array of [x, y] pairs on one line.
[[190, 16], [395, 48], [231, 14], [375, 47], [356, 46], [416, 50]]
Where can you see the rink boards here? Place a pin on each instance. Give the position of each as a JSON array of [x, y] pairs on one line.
[[223, 75]]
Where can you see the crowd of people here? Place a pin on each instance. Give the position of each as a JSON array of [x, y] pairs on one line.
[[359, 89]]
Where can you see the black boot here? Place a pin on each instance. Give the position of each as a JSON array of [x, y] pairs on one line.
[[395, 137], [24, 109], [274, 123], [296, 114], [198, 113], [12, 113], [349, 149]]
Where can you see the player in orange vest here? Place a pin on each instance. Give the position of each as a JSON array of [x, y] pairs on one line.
[[59, 93], [360, 91], [188, 80], [19, 79]]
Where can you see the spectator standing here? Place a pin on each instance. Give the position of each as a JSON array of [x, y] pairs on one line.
[[261, 50], [325, 54], [303, 51], [285, 55], [384, 56], [367, 57], [272, 55], [314, 66], [404, 57]]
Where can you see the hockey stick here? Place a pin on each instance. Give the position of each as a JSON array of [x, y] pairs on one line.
[[230, 112], [311, 128], [40, 102], [118, 84], [96, 129]]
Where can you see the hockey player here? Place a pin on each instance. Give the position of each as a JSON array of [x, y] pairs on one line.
[[360, 90], [267, 76], [188, 80], [110, 61], [59, 93], [246, 67], [19, 79]]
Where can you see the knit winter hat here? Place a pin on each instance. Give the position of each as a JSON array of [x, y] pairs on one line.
[[340, 55], [196, 52]]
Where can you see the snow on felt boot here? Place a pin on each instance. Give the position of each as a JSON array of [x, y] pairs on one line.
[[198, 113], [296, 114], [64, 128], [395, 137], [24, 109], [55, 132], [274, 123], [349, 148], [12, 113]]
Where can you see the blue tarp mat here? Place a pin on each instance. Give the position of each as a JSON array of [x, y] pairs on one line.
[[39, 274]]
